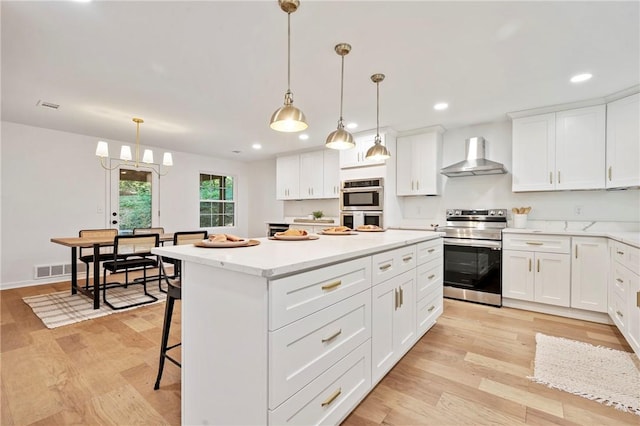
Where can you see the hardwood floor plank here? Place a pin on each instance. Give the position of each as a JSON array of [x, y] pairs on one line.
[[470, 412], [547, 405]]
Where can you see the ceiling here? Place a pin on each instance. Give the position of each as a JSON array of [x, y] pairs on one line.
[[207, 75]]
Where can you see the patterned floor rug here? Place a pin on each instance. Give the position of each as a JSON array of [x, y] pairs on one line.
[[601, 374], [63, 308]]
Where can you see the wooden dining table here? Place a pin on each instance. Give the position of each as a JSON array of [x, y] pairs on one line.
[[96, 243]]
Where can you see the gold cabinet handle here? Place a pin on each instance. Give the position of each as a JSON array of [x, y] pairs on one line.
[[431, 308], [576, 251], [535, 243], [620, 314], [529, 265], [538, 265], [638, 299], [333, 336], [395, 295], [332, 285], [385, 267], [620, 280], [407, 258], [620, 252], [558, 176], [418, 185], [412, 185], [332, 397], [431, 250], [401, 297], [550, 177], [609, 173], [432, 276]]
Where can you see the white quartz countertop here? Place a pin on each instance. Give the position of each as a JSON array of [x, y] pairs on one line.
[[631, 237], [274, 258]]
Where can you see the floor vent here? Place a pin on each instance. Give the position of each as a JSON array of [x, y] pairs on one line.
[[58, 270]]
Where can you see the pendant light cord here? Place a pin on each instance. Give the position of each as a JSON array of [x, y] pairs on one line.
[[137, 142], [341, 87], [288, 52], [377, 112]]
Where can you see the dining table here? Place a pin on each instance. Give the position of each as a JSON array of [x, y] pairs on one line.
[[86, 242]]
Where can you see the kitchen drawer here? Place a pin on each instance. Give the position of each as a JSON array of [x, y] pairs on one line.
[[627, 255], [619, 280], [297, 296], [393, 262], [618, 312], [330, 397], [429, 250], [429, 276], [301, 351], [537, 242], [429, 309]]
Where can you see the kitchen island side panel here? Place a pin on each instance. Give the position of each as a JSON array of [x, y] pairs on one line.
[[224, 347]]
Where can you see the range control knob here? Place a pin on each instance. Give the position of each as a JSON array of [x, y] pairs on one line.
[[492, 213], [458, 213], [449, 212], [500, 212]]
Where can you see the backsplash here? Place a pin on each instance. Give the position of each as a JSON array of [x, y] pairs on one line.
[[303, 208]]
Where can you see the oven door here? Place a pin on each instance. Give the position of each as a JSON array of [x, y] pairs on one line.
[[473, 270], [361, 198]]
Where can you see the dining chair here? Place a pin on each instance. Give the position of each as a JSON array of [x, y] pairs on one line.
[[86, 253], [141, 231], [174, 292], [181, 238], [131, 252]]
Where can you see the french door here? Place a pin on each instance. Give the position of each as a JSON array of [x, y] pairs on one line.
[[134, 199]]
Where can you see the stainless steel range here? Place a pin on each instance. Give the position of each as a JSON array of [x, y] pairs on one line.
[[473, 255]]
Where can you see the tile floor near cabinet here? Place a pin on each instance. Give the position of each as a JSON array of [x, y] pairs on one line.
[[470, 368]]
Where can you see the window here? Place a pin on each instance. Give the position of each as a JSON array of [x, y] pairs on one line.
[[217, 206]]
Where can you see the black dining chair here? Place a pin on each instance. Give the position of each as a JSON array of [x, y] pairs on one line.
[[174, 292], [86, 253], [131, 252], [180, 238]]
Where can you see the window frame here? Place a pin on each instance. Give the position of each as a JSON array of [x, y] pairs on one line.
[[223, 201]]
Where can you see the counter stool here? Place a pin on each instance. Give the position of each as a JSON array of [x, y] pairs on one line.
[[174, 292]]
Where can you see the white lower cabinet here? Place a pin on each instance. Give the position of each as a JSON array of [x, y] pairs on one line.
[[624, 292], [589, 270], [429, 292], [393, 321]]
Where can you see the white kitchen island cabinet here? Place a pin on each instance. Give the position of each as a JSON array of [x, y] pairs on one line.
[[282, 332]]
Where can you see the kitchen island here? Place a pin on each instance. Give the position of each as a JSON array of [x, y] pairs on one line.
[[299, 332]]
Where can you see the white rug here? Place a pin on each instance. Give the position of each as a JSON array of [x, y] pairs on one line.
[[63, 308], [601, 374]]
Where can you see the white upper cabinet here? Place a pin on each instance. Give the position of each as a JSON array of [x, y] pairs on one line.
[[331, 173], [623, 142], [356, 156], [288, 177], [418, 163], [309, 175], [560, 150]]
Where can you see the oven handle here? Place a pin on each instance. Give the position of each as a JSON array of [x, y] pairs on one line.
[[363, 189], [497, 245]]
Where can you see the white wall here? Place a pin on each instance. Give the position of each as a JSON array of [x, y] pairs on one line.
[[494, 191], [53, 186], [263, 205]]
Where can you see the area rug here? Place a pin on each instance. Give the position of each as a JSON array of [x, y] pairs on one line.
[[605, 375], [64, 308]]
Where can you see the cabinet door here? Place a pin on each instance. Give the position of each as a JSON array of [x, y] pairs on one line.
[[331, 173], [517, 275], [287, 177], [534, 153], [623, 149], [580, 148], [552, 279], [589, 269], [311, 175], [404, 323], [383, 307], [426, 163], [356, 157], [633, 312], [405, 183]]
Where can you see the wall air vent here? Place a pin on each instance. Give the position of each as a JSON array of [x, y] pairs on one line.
[[45, 104], [56, 270]]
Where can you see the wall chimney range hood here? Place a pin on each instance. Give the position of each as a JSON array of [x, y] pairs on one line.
[[475, 163]]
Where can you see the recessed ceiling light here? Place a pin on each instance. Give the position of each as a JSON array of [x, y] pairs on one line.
[[580, 78], [303, 137], [256, 146], [352, 125], [440, 106]]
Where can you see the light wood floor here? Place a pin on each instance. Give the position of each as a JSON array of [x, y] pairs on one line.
[[470, 368]]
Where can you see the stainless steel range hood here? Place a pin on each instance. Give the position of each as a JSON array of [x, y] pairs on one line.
[[475, 163]]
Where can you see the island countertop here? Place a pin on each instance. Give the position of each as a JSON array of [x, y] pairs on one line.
[[275, 258]]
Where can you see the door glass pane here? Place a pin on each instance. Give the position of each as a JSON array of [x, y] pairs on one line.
[[134, 200]]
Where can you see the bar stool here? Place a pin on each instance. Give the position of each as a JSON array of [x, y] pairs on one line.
[[174, 292]]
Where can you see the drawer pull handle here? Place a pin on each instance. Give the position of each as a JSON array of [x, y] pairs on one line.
[[333, 336], [535, 243], [550, 177], [396, 299], [638, 299], [401, 297], [609, 173], [332, 397], [538, 265], [431, 308], [576, 251], [620, 280], [385, 267], [619, 252], [529, 265], [432, 276], [332, 285], [407, 259], [619, 314], [431, 250]]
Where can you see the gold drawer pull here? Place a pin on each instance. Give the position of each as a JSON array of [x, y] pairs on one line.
[[619, 314], [385, 267], [538, 265], [609, 173], [332, 397], [529, 265], [396, 299], [638, 299], [333, 336], [432, 276], [535, 243], [332, 285], [431, 308], [620, 280], [401, 297], [619, 252], [407, 259], [431, 250]]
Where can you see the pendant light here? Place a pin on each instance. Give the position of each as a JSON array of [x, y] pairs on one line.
[[288, 118], [378, 151], [340, 138]]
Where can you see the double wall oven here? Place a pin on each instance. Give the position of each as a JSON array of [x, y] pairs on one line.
[[473, 255], [361, 202]]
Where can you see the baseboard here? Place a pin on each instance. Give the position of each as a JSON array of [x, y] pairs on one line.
[[581, 314]]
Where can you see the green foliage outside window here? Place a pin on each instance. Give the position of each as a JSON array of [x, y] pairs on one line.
[[217, 206], [135, 204]]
